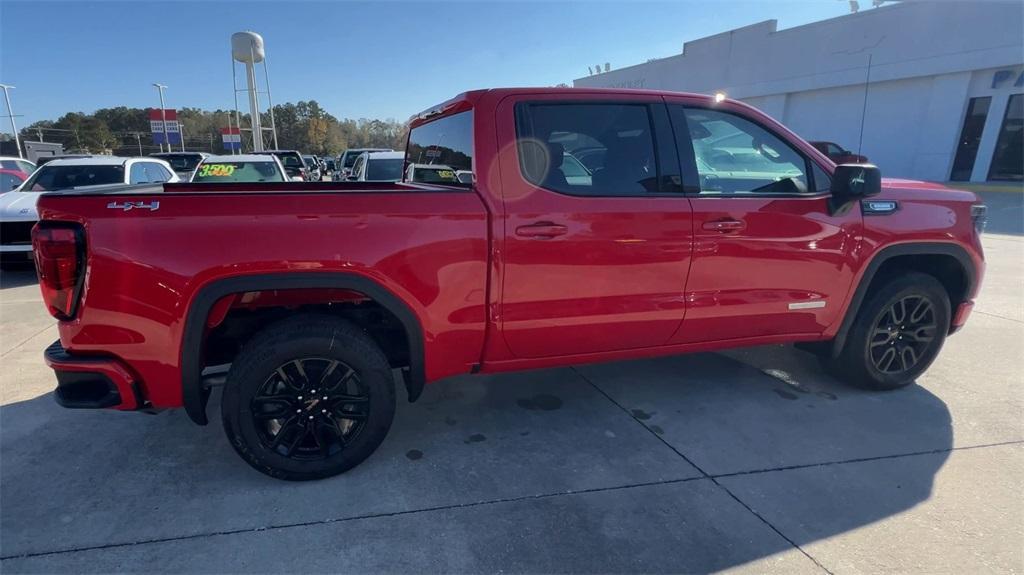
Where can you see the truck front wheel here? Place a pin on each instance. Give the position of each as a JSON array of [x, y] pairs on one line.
[[308, 397], [898, 332]]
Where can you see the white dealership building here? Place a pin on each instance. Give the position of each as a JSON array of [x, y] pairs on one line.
[[927, 90]]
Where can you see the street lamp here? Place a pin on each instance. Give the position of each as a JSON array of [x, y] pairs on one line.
[[163, 115], [10, 113]]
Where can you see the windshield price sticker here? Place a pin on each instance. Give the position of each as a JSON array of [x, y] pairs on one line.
[[216, 170], [446, 174]]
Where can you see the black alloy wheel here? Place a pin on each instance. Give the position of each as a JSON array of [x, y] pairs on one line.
[[310, 408], [308, 397]]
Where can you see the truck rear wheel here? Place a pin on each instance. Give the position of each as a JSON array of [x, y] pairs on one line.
[[897, 334], [308, 397]]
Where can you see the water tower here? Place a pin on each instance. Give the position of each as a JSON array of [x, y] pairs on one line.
[[247, 48]]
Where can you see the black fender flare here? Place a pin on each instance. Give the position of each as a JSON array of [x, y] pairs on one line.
[[195, 396], [909, 249]]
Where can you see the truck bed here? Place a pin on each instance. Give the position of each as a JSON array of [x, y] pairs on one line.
[[149, 254]]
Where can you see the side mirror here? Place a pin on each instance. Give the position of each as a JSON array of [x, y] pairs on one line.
[[850, 181]]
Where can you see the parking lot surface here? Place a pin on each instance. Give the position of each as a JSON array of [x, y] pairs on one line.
[[751, 460]]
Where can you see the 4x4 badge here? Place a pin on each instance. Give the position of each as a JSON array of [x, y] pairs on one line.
[[129, 206]]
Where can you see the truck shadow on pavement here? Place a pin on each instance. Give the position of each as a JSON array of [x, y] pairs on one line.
[[690, 463], [17, 277]]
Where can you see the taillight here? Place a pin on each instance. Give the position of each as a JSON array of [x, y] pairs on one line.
[[59, 252], [979, 213]]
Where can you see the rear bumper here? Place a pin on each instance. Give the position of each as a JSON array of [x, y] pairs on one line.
[[86, 382]]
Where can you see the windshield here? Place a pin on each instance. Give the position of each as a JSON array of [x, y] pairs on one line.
[[447, 142], [350, 157], [50, 178], [181, 163], [238, 172], [389, 170], [290, 160]]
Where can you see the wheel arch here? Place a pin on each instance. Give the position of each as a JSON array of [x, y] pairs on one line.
[[878, 267], [195, 395]]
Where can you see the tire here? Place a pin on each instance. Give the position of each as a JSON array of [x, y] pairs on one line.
[[276, 424], [865, 360]]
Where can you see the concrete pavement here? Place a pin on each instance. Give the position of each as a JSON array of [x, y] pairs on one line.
[[751, 461]]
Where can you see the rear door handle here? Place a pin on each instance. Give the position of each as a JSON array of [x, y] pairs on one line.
[[541, 230], [724, 226]]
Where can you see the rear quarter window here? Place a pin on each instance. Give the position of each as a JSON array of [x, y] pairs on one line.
[[447, 141]]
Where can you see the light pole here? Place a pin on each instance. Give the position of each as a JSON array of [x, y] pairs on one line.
[[163, 116], [10, 113]]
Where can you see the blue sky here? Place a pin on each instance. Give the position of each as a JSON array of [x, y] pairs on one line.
[[385, 59]]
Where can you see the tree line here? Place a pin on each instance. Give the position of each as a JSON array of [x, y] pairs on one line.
[[304, 126]]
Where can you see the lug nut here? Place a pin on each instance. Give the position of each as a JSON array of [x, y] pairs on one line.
[[325, 398], [300, 398], [323, 411], [311, 417], [298, 411]]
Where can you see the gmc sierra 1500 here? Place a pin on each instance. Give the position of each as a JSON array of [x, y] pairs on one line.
[[596, 225]]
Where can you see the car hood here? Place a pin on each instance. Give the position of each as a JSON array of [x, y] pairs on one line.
[[19, 206], [912, 184]]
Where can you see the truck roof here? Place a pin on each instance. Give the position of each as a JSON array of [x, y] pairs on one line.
[[467, 99]]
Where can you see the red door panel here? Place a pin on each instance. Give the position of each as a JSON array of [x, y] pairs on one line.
[[766, 266], [587, 274]]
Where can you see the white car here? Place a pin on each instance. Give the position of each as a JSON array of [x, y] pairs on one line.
[[343, 169], [240, 168], [377, 167], [18, 164], [18, 207]]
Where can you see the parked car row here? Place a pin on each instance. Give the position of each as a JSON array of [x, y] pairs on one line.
[[18, 207], [183, 163], [348, 159]]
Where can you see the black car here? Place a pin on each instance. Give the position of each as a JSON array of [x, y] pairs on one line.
[[292, 161], [183, 163]]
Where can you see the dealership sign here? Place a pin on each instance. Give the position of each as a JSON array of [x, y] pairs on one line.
[[232, 138], [156, 125]]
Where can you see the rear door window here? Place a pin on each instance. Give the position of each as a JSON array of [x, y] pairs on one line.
[[157, 173], [138, 174], [389, 170], [587, 149]]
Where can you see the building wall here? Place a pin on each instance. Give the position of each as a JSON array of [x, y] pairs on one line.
[[920, 61]]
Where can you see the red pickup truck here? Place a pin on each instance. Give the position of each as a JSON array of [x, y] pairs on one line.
[[599, 225]]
